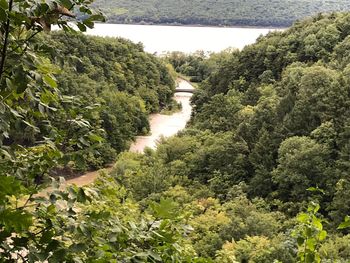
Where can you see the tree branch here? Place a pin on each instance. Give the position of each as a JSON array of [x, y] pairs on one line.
[[4, 47]]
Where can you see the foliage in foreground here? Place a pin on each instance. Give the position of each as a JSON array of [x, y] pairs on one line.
[[96, 224], [42, 125]]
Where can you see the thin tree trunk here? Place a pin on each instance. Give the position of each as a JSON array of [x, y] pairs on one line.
[[4, 47]]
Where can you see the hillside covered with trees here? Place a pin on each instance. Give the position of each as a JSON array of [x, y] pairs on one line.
[[260, 175], [108, 87], [278, 13], [115, 86]]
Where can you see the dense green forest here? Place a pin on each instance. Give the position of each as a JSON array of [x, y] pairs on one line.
[[270, 127], [261, 174], [277, 13], [115, 86], [197, 66], [108, 87]]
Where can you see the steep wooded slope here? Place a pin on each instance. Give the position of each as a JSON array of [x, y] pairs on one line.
[[220, 12]]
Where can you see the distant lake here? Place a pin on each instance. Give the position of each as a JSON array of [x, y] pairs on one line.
[[182, 38]]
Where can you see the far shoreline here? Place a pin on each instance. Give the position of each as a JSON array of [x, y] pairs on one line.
[[195, 25]]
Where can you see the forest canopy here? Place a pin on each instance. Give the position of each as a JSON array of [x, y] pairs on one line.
[[277, 13], [262, 169], [117, 82], [261, 174]]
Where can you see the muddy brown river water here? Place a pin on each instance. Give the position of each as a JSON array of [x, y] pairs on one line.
[[166, 125], [161, 125]]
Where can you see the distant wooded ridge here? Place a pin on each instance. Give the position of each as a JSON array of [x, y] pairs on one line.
[[274, 13]]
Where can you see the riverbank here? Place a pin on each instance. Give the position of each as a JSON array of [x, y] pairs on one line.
[[272, 27], [167, 125], [161, 126]]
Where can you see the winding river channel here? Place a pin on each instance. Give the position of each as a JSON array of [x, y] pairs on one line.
[[161, 126], [159, 39], [167, 125]]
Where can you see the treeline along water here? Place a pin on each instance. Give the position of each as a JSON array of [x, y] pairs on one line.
[[173, 38], [160, 126]]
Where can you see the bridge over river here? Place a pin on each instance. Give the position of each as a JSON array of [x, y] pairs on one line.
[[161, 125], [184, 86], [184, 90]]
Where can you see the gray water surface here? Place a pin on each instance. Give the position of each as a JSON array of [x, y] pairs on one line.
[[160, 39]]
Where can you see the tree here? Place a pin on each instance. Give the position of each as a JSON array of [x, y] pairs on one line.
[[302, 163], [27, 89]]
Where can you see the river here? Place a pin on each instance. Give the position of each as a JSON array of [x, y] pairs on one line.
[[159, 39], [166, 125], [161, 125]]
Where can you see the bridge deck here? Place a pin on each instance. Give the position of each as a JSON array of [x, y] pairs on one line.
[[184, 90]]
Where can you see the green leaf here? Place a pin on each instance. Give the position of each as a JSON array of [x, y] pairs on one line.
[[51, 209], [66, 3], [4, 5], [81, 27], [15, 113], [81, 196], [322, 235], [98, 17], [303, 218], [3, 15], [76, 248], [95, 138], [31, 125], [9, 186], [166, 209], [142, 255], [316, 189], [155, 256], [85, 10], [317, 223], [9, 83], [88, 23], [41, 108], [50, 81], [316, 208], [345, 224], [300, 241], [83, 141], [15, 220], [6, 154], [46, 236], [310, 258], [20, 80]]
